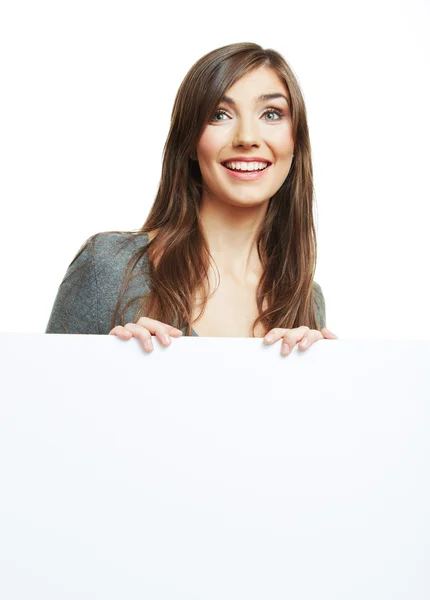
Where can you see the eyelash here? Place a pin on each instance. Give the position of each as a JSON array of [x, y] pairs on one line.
[[268, 110]]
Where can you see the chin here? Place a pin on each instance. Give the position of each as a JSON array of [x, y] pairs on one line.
[[247, 201]]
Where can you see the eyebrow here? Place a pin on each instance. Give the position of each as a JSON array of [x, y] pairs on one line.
[[262, 98]]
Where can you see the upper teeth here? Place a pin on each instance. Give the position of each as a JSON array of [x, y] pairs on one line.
[[246, 166]]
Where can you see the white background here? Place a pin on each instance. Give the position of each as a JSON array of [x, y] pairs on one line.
[[87, 90]]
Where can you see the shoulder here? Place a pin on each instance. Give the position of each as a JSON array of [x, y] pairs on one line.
[[104, 257], [318, 294], [112, 243], [317, 289], [111, 251], [116, 260], [319, 302]]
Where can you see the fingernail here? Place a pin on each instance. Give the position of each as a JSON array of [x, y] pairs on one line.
[[166, 338], [304, 342], [148, 344], [285, 348], [269, 338]]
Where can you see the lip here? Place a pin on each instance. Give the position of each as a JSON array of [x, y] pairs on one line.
[[247, 159], [246, 176]]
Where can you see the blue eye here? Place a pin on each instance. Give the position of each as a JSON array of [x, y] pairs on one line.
[[217, 113], [275, 111]]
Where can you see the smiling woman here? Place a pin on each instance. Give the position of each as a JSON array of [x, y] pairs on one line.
[[235, 196], [259, 126]]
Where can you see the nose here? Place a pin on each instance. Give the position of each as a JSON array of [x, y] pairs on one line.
[[246, 133]]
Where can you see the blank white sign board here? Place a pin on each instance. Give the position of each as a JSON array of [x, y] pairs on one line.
[[214, 469]]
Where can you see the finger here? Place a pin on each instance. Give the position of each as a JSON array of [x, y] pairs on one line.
[[120, 332], [289, 337], [329, 334], [310, 338], [292, 336], [275, 334], [153, 325], [279, 332], [164, 333], [159, 329], [148, 323], [142, 334], [174, 331]]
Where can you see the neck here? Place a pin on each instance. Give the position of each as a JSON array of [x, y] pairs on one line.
[[231, 233]]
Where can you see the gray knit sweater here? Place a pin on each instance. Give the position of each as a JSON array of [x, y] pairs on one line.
[[87, 296]]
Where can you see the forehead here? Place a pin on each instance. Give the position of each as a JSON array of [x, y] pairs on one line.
[[262, 80]]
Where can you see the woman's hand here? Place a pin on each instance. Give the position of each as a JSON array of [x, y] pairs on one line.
[[143, 330], [305, 336]]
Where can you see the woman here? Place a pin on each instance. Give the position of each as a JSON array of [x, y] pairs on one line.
[[235, 196]]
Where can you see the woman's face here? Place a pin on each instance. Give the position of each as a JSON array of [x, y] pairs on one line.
[[245, 126]]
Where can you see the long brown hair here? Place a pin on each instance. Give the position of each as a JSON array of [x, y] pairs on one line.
[[180, 257]]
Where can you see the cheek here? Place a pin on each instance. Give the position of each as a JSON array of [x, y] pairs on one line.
[[282, 143], [209, 144]]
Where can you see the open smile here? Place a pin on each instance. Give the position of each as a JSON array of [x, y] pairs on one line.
[[246, 175]]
